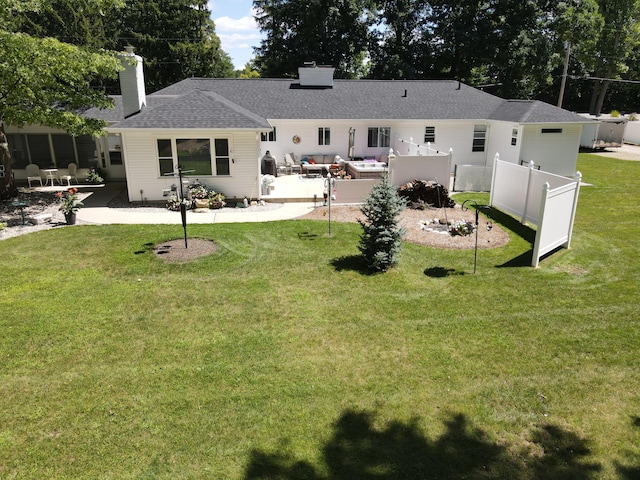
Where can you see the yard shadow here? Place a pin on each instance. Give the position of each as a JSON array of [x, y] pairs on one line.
[[307, 235], [354, 263], [511, 223], [627, 472], [359, 450], [441, 272], [523, 260]]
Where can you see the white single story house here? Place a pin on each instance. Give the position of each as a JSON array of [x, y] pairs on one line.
[[221, 128]]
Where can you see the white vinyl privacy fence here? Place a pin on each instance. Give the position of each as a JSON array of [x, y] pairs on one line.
[[472, 178], [546, 200], [407, 168]]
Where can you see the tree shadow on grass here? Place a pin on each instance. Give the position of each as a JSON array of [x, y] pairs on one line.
[[358, 450], [627, 472], [354, 263], [441, 272]]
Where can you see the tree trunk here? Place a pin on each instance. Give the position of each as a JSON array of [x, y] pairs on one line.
[[7, 184], [603, 93]]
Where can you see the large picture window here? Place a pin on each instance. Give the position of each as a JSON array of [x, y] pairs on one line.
[[379, 137], [479, 138], [194, 155]]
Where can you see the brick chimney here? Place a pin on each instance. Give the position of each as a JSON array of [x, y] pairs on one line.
[[134, 97]]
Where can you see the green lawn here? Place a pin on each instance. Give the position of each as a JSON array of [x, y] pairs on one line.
[[279, 358]]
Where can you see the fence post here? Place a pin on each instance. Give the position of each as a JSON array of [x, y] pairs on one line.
[[535, 260], [578, 179], [493, 177], [526, 198]]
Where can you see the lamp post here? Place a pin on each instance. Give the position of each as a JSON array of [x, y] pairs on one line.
[[183, 204], [329, 184], [478, 207]]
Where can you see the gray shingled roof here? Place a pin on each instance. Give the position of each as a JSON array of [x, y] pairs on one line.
[[533, 111], [248, 103]]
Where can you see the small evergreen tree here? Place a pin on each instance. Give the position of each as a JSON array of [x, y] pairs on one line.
[[381, 239]]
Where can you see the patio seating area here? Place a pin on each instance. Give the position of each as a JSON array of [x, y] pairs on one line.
[[295, 188]]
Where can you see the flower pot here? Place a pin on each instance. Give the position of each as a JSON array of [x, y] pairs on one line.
[[202, 202], [70, 218]]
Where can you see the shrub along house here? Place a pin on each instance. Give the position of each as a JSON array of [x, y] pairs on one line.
[[221, 128]]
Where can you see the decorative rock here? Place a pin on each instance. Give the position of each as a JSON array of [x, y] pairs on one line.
[[40, 218]]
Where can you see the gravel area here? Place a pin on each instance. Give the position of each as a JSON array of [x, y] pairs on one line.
[[417, 232], [37, 203], [414, 222]]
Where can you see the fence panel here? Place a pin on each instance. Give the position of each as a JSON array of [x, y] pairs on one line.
[[557, 213], [404, 168], [510, 182], [547, 200], [472, 178], [353, 191]]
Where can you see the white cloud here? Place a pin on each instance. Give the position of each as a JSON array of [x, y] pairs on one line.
[[227, 24], [237, 36]]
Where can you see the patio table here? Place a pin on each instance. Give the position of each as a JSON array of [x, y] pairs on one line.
[[51, 173]]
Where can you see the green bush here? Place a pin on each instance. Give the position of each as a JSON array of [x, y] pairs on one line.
[[381, 239]]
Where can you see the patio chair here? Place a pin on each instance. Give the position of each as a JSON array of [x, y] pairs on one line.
[[282, 168], [71, 174], [33, 174], [291, 163]]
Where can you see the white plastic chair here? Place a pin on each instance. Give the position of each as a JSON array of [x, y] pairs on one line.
[[73, 171], [33, 173]]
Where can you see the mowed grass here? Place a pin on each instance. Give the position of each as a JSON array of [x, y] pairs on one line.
[[279, 357]]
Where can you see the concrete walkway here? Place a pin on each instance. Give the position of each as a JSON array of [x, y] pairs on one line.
[[97, 211]]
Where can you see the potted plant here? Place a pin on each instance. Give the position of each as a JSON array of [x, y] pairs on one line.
[[216, 200], [94, 177], [199, 194], [69, 204]]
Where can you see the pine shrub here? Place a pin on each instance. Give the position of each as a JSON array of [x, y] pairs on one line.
[[381, 238]]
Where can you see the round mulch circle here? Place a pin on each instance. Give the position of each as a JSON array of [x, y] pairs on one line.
[[174, 251]]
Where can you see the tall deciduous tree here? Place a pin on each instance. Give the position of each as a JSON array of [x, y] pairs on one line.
[[176, 38], [328, 32], [400, 45], [619, 38], [47, 82]]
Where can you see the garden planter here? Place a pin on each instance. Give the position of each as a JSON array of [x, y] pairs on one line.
[[70, 218], [202, 202]]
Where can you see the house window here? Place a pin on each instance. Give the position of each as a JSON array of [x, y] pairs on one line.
[[194, 155], [514, 137], [63, 150], [19, 152], [429, 134], [114, 141], [39, 150], [222, 156], [551, 130], [324, 136], [268, 136], [165, 156], [379, 137], [479, 138]]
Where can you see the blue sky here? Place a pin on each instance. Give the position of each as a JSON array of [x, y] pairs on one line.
[[236, 28]]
